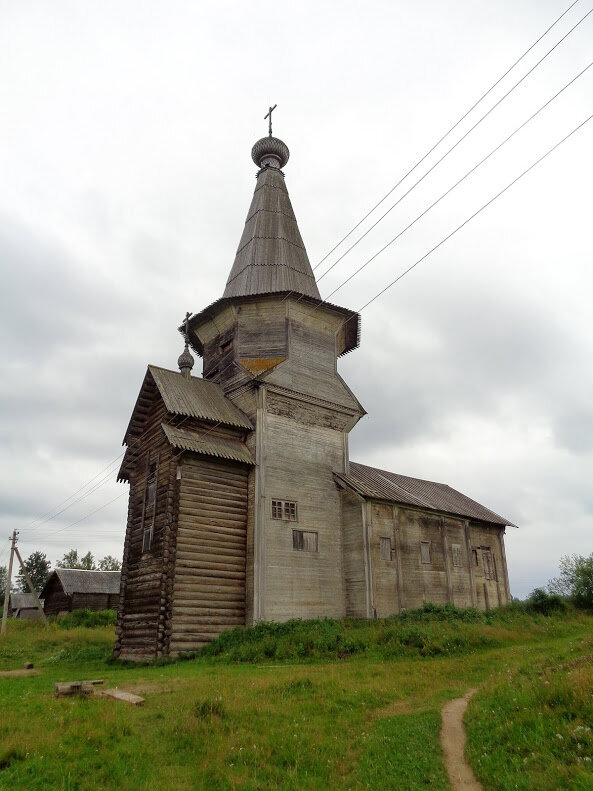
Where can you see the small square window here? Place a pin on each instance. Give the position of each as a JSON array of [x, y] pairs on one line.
[[425, 551], [285, 509], [304, 541], [385, 548], [457, 553]]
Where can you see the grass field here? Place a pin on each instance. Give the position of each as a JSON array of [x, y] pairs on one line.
[[307, 705]]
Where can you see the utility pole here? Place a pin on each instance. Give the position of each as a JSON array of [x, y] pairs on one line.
[[14, 551], [31, 587], [8, 578]]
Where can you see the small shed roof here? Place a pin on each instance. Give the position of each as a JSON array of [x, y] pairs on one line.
[[22, 601], [375, 484], [208, 444], [82, 581]]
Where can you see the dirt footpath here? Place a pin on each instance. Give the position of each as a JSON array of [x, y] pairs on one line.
[[453, 744]]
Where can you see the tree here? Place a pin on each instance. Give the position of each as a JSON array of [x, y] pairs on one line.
[[38, 567], [575, 580], [72, 561], [109, 563], [3, 576]]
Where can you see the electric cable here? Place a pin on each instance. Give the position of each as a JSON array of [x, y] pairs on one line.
[[455, 125], [454, 146], [457, 183], [476, 213]]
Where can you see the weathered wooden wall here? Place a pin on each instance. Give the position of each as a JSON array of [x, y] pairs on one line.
[[209, 578], [55, 600], [141, 594], [354, 555], [94, 601], [299, 461], [405, 581]]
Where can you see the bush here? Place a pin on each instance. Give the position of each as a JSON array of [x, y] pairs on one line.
[[545, 603], [89, 618]]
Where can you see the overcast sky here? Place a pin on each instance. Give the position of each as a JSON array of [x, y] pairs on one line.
[[125, 179]]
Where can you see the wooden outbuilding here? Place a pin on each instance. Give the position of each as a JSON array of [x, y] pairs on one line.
[[78, 589], [244, 505], [23, 607]]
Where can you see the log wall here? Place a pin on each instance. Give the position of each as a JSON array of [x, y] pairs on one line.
[[141, 595], [209, 578], [55, 600]]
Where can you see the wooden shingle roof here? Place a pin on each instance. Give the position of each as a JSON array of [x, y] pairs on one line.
[[208, 444], [83, 581], [374, 484], [193, 397], [271, 256]]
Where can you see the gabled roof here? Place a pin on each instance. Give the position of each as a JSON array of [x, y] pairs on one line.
[[22, 601], [208, 444], [194, 397], [82, 581], [375, 484], [271, 256]]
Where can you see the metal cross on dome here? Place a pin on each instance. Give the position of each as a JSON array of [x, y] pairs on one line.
[[186, 322], [269, 115]]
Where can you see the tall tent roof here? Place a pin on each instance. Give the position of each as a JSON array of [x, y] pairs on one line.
[[271, 256]]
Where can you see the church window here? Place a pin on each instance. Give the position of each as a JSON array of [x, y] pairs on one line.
[[285, 509], [488, 563], [149, 505], [304, 541], [385, 548], [457, 553], [475, 559], [425, 551]]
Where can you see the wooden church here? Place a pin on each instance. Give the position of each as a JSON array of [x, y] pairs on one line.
[[244, 505]]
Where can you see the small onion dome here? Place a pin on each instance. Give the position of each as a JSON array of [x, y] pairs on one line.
[[270, 151], [185, 362]]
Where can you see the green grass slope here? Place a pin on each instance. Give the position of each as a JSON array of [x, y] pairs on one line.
[[304, 705]]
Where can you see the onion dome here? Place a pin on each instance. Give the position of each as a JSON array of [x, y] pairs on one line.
[[185, 362], [270, 152]]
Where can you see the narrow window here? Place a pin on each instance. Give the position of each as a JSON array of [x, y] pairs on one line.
[[488, 563], [475, 559], [425, 551], [457, 553], [149, 506], [304, 541], [385, 548]]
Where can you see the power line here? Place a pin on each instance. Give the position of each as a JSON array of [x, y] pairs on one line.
[[448, 132], [454, 146], [457, 183], [475, 214]]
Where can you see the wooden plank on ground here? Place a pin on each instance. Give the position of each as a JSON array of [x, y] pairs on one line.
[[119, 694]]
